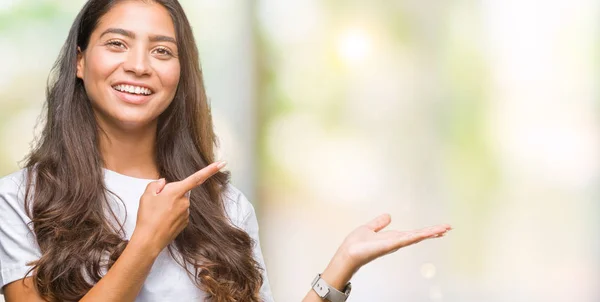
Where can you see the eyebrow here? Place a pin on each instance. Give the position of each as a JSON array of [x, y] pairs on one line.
[[130, 34]]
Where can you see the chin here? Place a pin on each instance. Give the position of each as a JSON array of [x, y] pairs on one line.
[[133, 122], [135, 125]]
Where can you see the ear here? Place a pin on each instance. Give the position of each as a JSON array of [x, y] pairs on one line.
[[80, 63]]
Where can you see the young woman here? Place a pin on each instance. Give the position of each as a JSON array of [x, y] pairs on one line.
[[121, 199]]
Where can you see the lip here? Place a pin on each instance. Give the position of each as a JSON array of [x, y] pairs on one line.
[[136, 99]]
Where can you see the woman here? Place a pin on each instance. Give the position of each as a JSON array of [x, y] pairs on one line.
[[121, 199]]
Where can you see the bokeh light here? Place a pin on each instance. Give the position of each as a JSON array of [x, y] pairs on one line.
[[354, 46]]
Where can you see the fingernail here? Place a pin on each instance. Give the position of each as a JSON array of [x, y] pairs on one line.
[[221, 165], [161, 182]]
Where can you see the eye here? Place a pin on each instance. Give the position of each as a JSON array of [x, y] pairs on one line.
[[115, 44], [163, 51]]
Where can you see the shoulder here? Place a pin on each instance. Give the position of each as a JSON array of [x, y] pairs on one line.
[[13, 184], [12, 197], [237, 206]]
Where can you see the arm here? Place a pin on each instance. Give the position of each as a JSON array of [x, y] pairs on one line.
[[121, 283], [162, 215], [365, 244], [125, 278]]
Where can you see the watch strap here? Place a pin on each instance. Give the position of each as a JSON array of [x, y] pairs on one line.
[[328, 292]]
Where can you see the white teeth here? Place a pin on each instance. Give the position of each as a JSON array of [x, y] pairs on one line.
[[133, 89]]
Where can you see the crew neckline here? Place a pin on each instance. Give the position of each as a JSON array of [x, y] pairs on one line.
[[127, 177]]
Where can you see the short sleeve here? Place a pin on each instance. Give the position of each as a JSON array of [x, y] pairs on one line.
[[17, 242], [243, 215]]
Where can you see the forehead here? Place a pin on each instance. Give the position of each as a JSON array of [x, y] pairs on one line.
[[141, 17]]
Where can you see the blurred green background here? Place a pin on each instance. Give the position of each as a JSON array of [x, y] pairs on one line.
[[481, 114]]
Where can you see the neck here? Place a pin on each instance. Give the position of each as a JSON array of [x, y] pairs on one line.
[[130, 152]]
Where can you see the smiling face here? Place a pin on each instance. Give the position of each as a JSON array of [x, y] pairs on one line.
[[130, 67]]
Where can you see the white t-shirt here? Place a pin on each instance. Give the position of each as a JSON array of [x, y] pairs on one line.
[[167, 280]]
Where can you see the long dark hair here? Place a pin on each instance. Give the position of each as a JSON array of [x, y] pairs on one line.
[[64, 173]]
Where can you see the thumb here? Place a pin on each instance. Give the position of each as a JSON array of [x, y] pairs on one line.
[[379, 222], [156, 187]]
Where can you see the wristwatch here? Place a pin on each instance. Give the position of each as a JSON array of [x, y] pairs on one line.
[[328, 292]]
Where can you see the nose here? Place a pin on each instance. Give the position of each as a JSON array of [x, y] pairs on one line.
[[137, 62]]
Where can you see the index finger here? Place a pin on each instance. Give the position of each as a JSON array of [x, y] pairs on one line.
[[196, 179]]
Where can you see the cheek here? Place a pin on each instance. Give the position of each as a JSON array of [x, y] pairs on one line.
[[99, 66], [169, 76]]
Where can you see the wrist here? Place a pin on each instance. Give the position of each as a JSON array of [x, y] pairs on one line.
[[144, 244], [339, 271]]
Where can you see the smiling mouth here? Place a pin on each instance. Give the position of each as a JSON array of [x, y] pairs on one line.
[[135, 90]]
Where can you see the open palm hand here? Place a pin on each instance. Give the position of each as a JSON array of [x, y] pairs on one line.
[[369, 242]]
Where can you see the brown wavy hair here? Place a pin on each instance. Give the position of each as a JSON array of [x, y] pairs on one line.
[[64, 173]]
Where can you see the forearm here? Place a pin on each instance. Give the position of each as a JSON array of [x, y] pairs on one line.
[[337, 274], [125, 278]]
